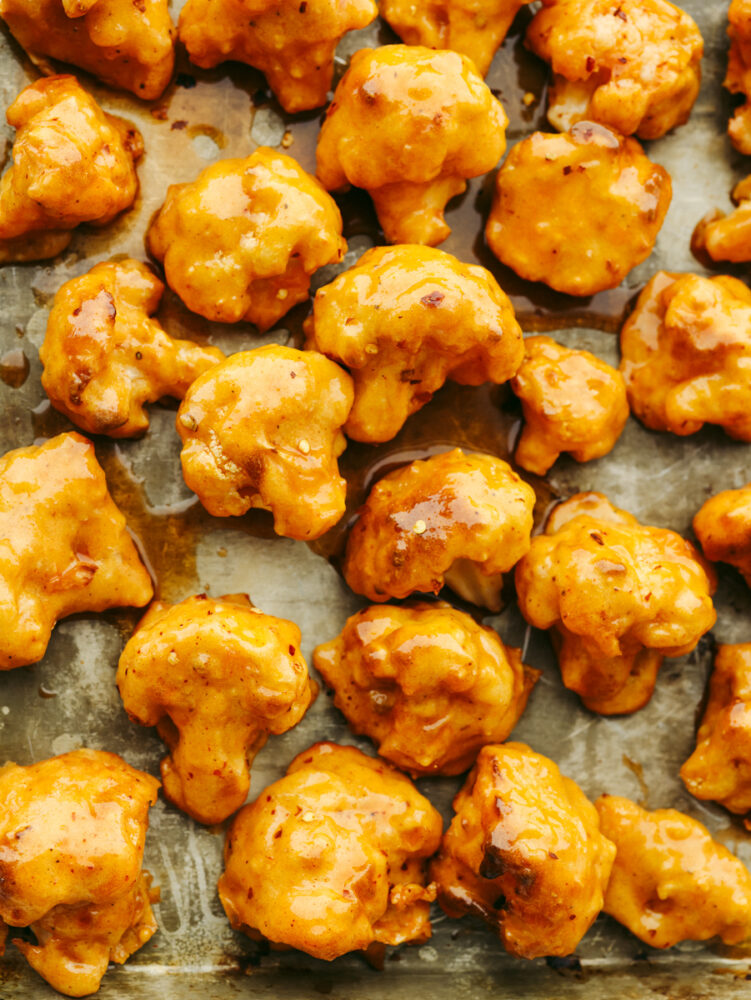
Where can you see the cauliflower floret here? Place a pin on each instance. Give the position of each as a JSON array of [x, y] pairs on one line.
[[738, 78], [457, 519], [427, 683], [634, 65], [73, 830], [671, 881], [72, 163], [104, 356], [571, 402], [331, 858], [263, 429], [291, 42], [410, 126], [405, 319], [241, 241], [685, 354], [727, 237], [618, 597], [577, 211], [64, 545], [524, 852], [723, 528]]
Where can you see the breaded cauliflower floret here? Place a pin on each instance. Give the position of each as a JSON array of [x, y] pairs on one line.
[[263, 429], [719, 769], [723, 528], [405, 319], [571, 402], [410, 126], [685, 354], [127, 44], [427, 683], [241, 241], [738, 78], [215, 677], [72, 163], [457, 519], [618, 597], [64, 545], [72, 830], [331, 858], [525, 853], [475, 28], [291, 42], [577, 211], [633, 65], [671, 881], [104, 355], [727, 237]]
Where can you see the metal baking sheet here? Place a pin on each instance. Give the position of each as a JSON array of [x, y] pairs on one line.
[[70, 699]]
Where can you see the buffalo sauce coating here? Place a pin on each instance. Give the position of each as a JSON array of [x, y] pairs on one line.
[[410, 125], [72, 831], [456, 518], [727, 237], [671, 881], [72, 163], [331, 858], [634, 66], [104, 355], [619, 597], [405, 319], [263, 429], [577, 211], [64, 545], [738, 78], [723, 528], [685, 352], [291, 42], [242, 240], [571, 402], [127, 45], [525, 853], [215, 677], [427, 683]]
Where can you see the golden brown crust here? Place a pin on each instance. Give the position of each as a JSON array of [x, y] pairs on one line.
[[727, 237], [723, 528], [738, 78]]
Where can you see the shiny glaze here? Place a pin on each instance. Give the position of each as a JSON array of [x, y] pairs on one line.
[[727, 237], [723, 527], [738, 78]]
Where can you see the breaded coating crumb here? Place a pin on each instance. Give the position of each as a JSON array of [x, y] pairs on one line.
[[723, 528], [727, 237], [738, 78], [104, 355], [524, 852], [618, 596], [73, 830], [403, 320], [242, 240], [427, 683], [577, 211], [331, 858], [263, 429], [671, 881], [410, 126]]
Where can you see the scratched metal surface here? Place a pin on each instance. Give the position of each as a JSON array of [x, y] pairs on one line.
[[70, 699]]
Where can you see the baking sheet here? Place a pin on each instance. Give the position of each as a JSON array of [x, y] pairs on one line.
[[70, 699]]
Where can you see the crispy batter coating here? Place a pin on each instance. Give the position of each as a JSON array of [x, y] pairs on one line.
[[126, 44], [727, 237], [64, 545], [457, 519], [72, 163], [331, 858], [72, 831], [215, 677], [723, 527], [263, 429], [577, 211], [685, 354], [410, 125], [634, 65], [475, 28], [671, 881], [405, 319], [524, 852], [571, 402], [618, 596], [738, 78], [427, 683], [104, 355], [241, 241], [291, 42]]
